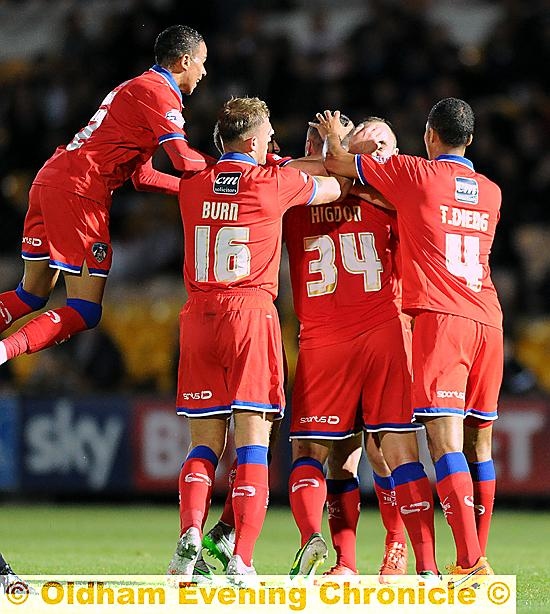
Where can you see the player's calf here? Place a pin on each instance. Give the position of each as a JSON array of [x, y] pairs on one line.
[[50, 328], [18, 303]]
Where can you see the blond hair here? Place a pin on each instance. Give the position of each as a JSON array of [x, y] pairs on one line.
[[238, 118]]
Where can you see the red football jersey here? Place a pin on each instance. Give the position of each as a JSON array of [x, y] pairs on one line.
[[448, 215], [232, 216], [341, 269], [132, 121], [273, 159]]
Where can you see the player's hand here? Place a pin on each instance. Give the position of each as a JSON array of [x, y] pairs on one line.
[[329, 123], [366, 139]]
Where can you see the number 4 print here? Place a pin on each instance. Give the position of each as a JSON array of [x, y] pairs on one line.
[[462, 258]]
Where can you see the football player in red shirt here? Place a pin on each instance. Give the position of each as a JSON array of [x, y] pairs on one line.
[[353, 369], [343, 498], [231, 361], [67, 224], [448, 215]]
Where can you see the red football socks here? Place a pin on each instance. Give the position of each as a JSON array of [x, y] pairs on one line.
[[343, 504], [414, 498], [484, 482], [11, 309], [389, 512], [456, 494], [45, 330], [195, 486], [227, 516], [250, 499], [307, 492]]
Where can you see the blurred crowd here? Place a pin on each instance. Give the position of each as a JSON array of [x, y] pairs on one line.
[[391, 58]]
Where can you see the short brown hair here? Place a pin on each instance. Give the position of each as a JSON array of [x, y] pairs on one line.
[[238, 117]]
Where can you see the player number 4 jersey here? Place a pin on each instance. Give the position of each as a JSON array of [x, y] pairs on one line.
[[447, 216]]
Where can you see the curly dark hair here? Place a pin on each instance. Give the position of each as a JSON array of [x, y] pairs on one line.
[[174, 42], [453, 120]]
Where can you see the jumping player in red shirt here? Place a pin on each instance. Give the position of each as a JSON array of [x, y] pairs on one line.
[[231, 361], [67, 224], [447, 217]]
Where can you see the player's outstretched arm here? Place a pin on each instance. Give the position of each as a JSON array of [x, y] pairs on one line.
[[185, 158], [308, 164], [148, 179], [368, 193], [328, 190], [336, 159]]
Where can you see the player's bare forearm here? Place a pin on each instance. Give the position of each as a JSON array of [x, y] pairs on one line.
[[337, 160], [346, 185], [368, 193], [311, 166], [328, 190]]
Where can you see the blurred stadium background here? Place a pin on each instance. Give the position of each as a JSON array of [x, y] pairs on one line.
[[94, 418]]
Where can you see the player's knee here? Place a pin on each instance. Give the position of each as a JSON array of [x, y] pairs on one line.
[[90, 312]]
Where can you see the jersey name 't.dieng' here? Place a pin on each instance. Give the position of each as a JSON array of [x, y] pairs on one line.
[[454, 216]]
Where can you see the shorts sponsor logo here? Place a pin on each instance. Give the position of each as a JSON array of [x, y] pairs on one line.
[[304, 483], [421, 506], [320, 420], [32, 241], [227, 183], [100, 251], [175, 116], [243, 491], [203, 395], [198, 477], [451, 394], [466, 190]]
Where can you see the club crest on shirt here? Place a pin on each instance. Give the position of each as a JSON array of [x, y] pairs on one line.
[[466, 190], [99, 250], [227, 183], [175, 117]]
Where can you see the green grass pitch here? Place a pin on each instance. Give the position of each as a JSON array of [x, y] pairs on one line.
[[130, 539]]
